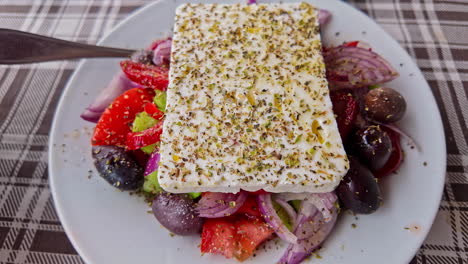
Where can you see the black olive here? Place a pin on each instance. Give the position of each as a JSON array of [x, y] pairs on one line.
[[384, 105], [117, 167], [373, 146], [176, 212], [359, 191]]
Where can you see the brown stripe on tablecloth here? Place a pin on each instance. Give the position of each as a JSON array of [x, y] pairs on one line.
[[460, 191], [54, 242], [421, 53], [19, 239], [15, 9], [26, 168], [452, 16], [3, 234], [8, 100], [127, 9]]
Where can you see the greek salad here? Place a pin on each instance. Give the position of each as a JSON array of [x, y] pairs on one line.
[[130, 114]]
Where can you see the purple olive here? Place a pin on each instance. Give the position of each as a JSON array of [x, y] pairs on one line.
[[176, 212], [384, 105], [359, 191], [373, 146], [117, 167]]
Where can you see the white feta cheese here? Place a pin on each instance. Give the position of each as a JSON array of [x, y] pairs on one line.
[[248, 104]]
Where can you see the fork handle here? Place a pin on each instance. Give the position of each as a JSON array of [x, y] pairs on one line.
[[17, 47]]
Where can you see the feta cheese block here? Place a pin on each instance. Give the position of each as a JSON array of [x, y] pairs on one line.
[[248, 104]]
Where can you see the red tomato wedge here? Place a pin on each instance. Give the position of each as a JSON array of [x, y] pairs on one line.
[[147, 75], [346, 109], [136, 140], [250, 234], [154, 111], [250, 207], [236, 236], [351, 44], [218, 237], [114, 124]]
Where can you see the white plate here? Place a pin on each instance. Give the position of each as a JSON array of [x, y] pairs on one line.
[[108, 226]]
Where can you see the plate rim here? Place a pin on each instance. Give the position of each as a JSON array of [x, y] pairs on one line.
[[53, 130]]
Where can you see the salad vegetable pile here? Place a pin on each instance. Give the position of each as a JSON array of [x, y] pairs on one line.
[[130, 113]]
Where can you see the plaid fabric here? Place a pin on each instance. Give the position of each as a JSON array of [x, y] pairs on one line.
[[434, 32]]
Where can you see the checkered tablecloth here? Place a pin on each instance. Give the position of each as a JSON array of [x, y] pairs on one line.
[[435, 33]]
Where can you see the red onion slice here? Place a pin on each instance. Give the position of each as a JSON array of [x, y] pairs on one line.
[[153, 163], [324, 16], [308, 220], [367, 74], [215, 205], [324, 202], [289, 210], [394, 128], [318, 229], [251, 2], [90, 116], [351, 67], [265, 206], [162, 52], [118, 85], [307, 210]]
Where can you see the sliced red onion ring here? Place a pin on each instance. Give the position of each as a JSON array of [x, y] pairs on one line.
[[118, 85], [306, 224], [265, 205], [351, 67], [393, 127], [153, 163], [215, 205], [162, 52], [289, 210], [318, 229], [324, 202], [324, 16], [90, 116], [251, 2]]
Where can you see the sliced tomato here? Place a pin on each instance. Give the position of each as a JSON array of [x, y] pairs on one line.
[[136, 140], [114, 124], [154, 111], [250, 207], [219, 237], [346, 109], [236, 236], [396, 157], [351, 44], [250, 234], [147, 75]]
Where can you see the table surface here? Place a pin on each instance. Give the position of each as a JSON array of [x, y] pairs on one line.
[[435, 33]]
